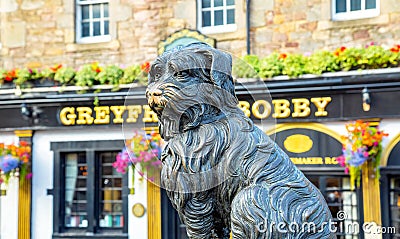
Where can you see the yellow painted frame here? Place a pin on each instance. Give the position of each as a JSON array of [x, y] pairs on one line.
[[184, 33], [388, 150], [312, 126]]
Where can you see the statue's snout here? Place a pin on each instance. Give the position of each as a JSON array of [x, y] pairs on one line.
[[154, 97]]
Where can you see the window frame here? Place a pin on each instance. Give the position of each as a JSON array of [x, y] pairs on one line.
[[78, 19], [93, 230], [355, 15], [387, 174], [216, 29]]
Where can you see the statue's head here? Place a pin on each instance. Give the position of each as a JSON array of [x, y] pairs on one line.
[[190, 85]]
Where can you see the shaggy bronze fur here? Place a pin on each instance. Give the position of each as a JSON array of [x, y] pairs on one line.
[[222, 173]]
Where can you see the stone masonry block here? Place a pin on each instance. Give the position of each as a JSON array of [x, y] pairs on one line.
[[190, 16], [262, 5], [65, 21], [121, 12], [13, 34], [257, 18], [360, 34]]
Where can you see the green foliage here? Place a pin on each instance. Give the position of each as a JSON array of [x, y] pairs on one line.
[[342, 59], [247, 67], [320, 62], [86, 76], [293, 65], [271, 66], [65, 75], [111, 75], [132, 74]]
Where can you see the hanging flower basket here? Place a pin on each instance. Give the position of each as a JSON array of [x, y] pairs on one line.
[[14, 161], [362, 148], [142, 152]]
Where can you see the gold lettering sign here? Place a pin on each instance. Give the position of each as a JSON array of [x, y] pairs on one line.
[[281, 108], [68, 116], [314, 160], [256, 109], [260, 109]]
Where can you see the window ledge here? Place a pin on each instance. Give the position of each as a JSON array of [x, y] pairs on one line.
[[85, 235], [218, 29], [355, 15], [76, 47]]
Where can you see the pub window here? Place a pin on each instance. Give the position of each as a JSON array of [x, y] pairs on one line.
[[92, 21], [216, 16], [90, 196], [339, 197], [343, 10], [395, 206]]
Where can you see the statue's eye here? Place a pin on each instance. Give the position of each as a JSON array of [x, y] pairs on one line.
[[158, 71], [183, 74]]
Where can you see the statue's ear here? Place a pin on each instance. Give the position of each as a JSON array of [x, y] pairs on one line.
[[220, 64]]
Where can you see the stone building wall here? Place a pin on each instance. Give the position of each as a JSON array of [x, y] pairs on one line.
[[43, 34], [305, 26]]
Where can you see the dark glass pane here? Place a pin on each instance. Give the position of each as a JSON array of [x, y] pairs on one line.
[[96, 11], [111, 215], [370, 4], [206, 18], [339, 197], [107, 170], [85, 12], [218, 18], [205, 3], [218, 3], [230, 2], [231, 16], [106, 27], [340, 6], [105, 9], [85, 29], [355, 5], [96, 29], [75, 204]]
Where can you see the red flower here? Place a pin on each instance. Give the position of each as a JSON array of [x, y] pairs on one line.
[[339, 51], [145, 67], [282, 56], [11, 75], [395, 49], [56, 68], [96, 68]]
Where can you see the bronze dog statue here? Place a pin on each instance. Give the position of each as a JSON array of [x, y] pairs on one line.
[[222, 173]]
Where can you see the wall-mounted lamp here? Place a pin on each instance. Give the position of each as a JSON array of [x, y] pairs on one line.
[[30, 113], [366, 99]]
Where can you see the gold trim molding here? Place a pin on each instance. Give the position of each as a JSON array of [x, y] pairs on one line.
[[388, 150], [312, 126], [23, 133], [184, 33]]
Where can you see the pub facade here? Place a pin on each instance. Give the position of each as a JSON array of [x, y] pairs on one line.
[[76, 193]]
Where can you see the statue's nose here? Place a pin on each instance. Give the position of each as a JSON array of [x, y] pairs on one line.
[[152, 93]]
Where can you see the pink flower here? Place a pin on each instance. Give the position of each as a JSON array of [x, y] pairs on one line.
[[341, 160], [156, 163], [28, 176], [366, 154], [346, 170]]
